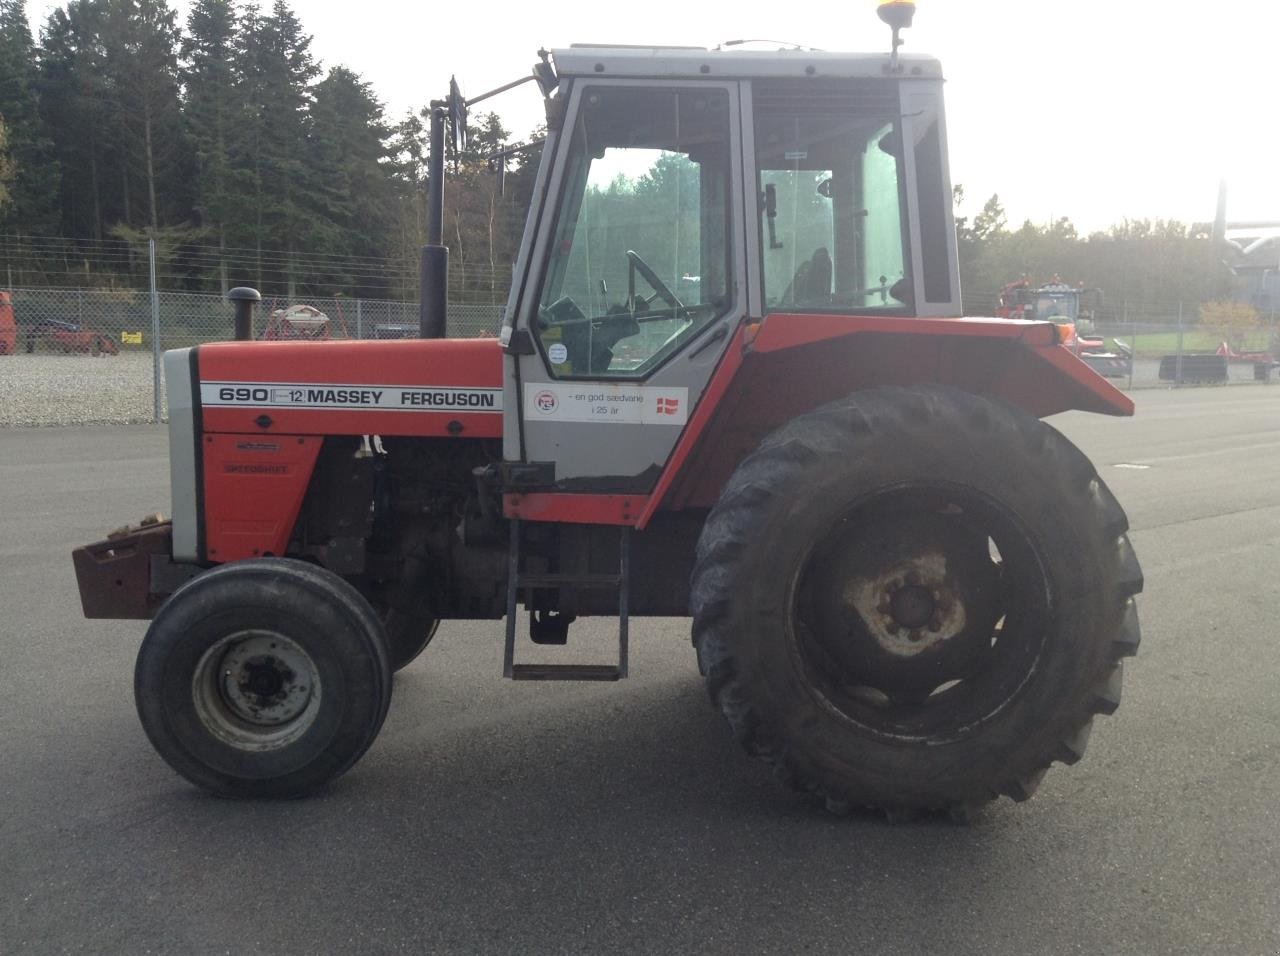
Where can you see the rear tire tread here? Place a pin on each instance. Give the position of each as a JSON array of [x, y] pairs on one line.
[[778, 462]]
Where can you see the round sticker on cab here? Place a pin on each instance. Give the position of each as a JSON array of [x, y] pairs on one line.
[[558, 353]]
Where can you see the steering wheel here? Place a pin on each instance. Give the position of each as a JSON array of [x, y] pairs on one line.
[[651, 277]]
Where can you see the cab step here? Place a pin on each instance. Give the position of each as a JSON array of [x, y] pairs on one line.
[[566, 672], [518, 581]]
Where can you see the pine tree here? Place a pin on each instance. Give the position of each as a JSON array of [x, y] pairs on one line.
[[140, 38], [275, 74], [75, 103], [213, 108], [350, 162], [33, 169]]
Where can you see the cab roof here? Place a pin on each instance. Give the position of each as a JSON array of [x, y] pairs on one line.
[[668, 62]]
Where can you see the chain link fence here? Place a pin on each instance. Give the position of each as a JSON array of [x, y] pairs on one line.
[[86, 356], [1168, 353]]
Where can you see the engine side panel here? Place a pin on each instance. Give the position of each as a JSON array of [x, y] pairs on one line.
[[431, 387], [253, 489]]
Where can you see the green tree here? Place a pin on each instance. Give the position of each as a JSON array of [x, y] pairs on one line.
[[276, 70], [350, 161], [7, 169], [1231, 321], [480, 226], [74, 100], [990, 222], [213, 106], [141, 43], [32, 165]]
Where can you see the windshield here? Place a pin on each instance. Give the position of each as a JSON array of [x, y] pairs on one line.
[[639, 261], [1056, 307]]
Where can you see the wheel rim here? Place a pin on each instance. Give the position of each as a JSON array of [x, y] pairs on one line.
[[921, 614], [256, 690]]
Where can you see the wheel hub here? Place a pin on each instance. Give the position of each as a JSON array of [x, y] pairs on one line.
[[911, 606], [256, 689], [905, 602], [264, 678], [259, 683]]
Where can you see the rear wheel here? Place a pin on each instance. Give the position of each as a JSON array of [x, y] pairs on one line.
[[915, 598], [401, 599], [407, 636], [263, 678]]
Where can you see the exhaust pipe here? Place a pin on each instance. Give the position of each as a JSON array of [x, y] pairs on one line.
[[433, 270], [244, 298], [433, 279]]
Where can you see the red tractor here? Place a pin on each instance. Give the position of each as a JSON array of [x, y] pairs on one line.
[[907, 591], [1072, 308]]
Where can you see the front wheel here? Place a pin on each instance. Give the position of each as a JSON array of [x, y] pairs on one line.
[[915, 598], [263, 678]]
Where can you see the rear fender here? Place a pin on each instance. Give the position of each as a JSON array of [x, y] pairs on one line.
[[790, 364]]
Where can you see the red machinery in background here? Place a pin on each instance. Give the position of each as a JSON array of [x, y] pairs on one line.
[[8, 328], [1067, 305]]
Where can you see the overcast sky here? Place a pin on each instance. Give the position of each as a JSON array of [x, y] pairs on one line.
[[1098, 110]]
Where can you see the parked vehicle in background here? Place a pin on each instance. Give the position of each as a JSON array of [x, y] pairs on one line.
[[395, 330], [1067, 306], [8, 327], [64, 336], [296, 322]]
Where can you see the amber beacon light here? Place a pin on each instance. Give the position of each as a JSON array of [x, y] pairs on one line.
[[898, 14]]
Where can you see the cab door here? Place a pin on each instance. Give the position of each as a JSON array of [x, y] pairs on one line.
[[633, 282]]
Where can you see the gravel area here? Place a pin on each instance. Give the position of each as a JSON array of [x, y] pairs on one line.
[[46, 389]]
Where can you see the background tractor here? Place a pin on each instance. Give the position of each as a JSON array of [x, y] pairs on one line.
[[907, 591], [1075, 309]]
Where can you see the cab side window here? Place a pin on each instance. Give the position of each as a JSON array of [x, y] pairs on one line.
[[830, 193]]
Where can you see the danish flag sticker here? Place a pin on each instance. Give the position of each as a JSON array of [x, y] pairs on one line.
[[668, 406]]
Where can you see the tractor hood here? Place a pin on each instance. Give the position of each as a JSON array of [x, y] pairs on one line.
[[442, 387]]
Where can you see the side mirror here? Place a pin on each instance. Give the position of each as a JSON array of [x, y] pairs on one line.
[[456, 105], [545, 75]]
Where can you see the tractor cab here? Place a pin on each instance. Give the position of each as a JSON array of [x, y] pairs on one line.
[[1055, 305], [687, 193]]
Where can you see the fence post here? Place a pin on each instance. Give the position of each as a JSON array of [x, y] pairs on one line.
[[155, 332], [1133, 337], [1177, 377], [359, 321]]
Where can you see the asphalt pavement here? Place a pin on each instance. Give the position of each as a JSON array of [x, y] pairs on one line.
[[492, 816]]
